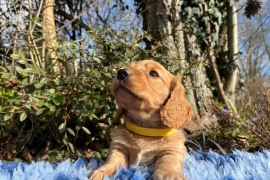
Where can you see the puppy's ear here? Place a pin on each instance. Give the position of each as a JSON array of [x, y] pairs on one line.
[[119, 114], [177, 111]]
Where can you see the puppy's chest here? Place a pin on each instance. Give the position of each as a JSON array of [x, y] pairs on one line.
[[143, 152]]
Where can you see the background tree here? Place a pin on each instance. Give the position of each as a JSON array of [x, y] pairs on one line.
[[193, 34]]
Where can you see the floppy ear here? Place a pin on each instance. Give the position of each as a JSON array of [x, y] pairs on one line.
[[177, 111]]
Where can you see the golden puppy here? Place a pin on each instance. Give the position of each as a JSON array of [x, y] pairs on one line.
[[154, 106]]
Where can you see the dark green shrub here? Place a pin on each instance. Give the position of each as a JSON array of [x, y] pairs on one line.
[[72, 108]]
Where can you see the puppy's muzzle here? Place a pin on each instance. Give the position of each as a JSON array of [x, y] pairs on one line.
[[123, 74]]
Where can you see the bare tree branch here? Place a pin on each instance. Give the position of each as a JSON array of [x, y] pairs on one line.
[[72, 18]]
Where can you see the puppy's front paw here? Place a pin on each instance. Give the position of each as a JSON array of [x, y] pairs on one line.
[[166, 175], [96, 175]]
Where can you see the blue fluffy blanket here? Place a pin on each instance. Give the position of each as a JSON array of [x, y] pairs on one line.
[[198, 166]]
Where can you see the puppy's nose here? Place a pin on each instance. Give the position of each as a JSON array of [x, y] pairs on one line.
[[123, 74]]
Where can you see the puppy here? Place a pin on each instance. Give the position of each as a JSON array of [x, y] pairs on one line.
[[155, 108]]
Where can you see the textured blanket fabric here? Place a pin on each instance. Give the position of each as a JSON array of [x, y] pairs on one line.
[[198, 166]]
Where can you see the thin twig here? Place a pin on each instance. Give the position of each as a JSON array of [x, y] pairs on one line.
[[30, 27], [16, 36], [252, 130], [31, 38], [220, 148], [37, 15], [256, 30]]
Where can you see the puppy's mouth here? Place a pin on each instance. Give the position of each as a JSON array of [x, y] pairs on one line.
[[132, 93]]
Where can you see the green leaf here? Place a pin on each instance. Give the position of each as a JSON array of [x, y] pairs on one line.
[[103, 116], [97, 154], [32, 78], [107, 109], [10, 68], [77, 128], [38, 24], [31, 70], [52, 108], [4, 69], [56, 102], [71, 147], [52, 91], [5, 75], [22, 61], [23, 116], [19, 69], [65, 140], [97, 60], [86, 130], [108, 74], [21, 54], [70, 43], [28, 107], [33, 19], [57, 112], [103, 83], [43, 80], [71, 131], [15, 56], [94, 116], [7, 116], [24, 81], [62, 127], [42, 71], [40, 111], [39, 85], [135, 57], [14, 100], [15, 108], [24, 73], [56, 81]]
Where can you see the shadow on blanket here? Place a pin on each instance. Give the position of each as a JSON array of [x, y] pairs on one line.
[[199, 166]]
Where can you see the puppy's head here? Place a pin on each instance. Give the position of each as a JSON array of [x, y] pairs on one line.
[[146, 91]]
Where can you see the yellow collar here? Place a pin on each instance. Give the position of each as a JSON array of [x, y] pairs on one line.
[[148, 131]]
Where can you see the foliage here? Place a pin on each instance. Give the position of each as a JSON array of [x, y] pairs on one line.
[[200, 13], [208, 20], [249, 130], [43, 109]]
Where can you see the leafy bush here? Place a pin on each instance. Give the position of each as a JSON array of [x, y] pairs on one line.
[[44, 110]]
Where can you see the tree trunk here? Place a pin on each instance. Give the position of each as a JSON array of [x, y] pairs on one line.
[[201, 93], [50, 34], [162, 20], [231, 81]]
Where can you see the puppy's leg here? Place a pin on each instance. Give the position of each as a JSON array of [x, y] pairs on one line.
[[116, 158], [169, 166]]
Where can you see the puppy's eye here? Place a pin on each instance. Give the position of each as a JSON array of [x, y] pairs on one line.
[[153, 74]]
